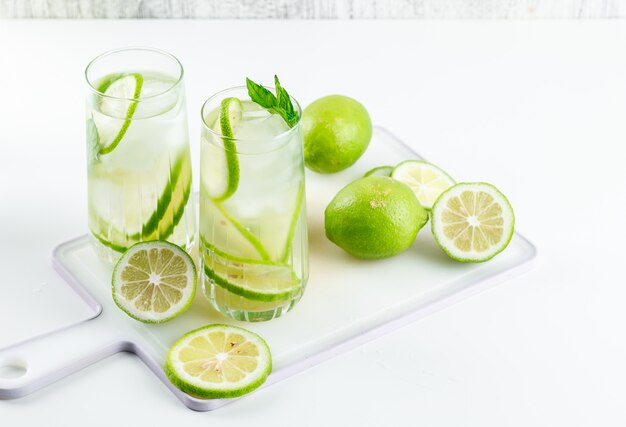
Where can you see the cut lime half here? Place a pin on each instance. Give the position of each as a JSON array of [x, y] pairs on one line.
[[154, 281], [425, 179], [472, 222], [120, 92], [218, 361]]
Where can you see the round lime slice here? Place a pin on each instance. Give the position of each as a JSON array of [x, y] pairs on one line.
[[472, 222], [218, 361], [425, 179], [154, 281], [121, 92]]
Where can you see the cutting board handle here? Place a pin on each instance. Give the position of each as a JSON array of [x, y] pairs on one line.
[[33, 364]]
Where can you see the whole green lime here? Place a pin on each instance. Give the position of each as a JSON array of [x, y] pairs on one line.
[[337, 130], [374, 217]]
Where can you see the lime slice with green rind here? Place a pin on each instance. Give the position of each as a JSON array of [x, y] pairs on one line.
[[119, 101], [380, 171], [231, 114], [236, 302], [154, 282], [255, 281], [472, 222], [229, 235], [161, 223], [218, 361], [294, 222], [425, 179]]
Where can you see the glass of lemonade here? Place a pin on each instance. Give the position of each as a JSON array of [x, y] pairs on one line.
[[138, 157], [253, 232]]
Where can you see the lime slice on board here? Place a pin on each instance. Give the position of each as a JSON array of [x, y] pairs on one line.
[[154, 281], [380, 171], [425, 179], [218, 361], [472, 222], [121, 92]]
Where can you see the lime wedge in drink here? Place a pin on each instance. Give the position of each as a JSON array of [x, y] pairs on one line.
[[160, 225], [229, 235], [118, 104], [425, 179], [472, 222], [218, 361], [259, 281], [223, 178], [154, 281]]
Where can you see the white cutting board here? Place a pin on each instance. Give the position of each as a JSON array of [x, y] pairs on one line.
[[347, 301]]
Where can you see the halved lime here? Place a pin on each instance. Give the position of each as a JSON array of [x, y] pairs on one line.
[[472, 222], [121, 92], [425, 179], [154, 281], [380, 171], [218, 361]]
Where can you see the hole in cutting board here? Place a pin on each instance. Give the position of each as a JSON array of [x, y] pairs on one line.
[[12, 369]]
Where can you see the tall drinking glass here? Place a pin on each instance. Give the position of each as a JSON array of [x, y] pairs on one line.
[[253, 235], [138, 158]]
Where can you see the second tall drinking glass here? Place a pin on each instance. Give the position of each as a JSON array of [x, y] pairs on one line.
[[253, 235], [138, 158]]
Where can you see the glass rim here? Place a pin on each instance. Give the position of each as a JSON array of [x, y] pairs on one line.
[[134, 48], [219, 135]]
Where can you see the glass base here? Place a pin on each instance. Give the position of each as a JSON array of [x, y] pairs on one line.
[[240, 308]]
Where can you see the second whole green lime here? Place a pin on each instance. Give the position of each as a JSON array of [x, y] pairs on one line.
[[337, 130], [374, 217]]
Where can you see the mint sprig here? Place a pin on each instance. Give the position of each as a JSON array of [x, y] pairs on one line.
[[279, 104]]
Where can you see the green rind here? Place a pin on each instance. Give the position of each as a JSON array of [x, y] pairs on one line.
[[212, 248], [184, 308], [208, 393], [384, 171], [294, 223], [247, 293], [475, 260], [129, 114], [155, 220], [429, 209], [256, 243], [230, 149]]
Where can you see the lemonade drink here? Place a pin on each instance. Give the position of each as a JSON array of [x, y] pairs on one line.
[[253, 237], [138, 158]]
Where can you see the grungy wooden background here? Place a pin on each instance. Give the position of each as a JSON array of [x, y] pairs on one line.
[[314, 9]]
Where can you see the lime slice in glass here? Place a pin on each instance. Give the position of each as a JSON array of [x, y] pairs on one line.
[[117, 105], [154, 281], [224, 178], [472, 222], [258, 281], [218, 361], [425, 179]]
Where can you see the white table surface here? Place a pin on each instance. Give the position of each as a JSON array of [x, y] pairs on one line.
[[537, 108]]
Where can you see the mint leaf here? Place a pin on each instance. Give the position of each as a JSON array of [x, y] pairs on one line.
[[279, 104], [284, 103], [260, 95]]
